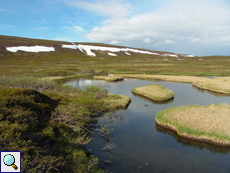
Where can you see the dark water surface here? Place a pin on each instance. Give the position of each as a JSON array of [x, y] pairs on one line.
[[141, 146]]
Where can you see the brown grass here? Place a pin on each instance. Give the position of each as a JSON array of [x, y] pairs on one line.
[[155, 92], [109, 78], [218, 84], [184, 79], [208, 123], [114, 101]]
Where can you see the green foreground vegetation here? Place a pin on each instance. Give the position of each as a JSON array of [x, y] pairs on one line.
[[50, 123], [155, 92], [204, 123]]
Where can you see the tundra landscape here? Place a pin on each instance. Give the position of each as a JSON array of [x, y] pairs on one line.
[[47, 120], [114, 86]]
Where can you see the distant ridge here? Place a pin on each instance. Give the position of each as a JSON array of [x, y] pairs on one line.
[[15, 44]]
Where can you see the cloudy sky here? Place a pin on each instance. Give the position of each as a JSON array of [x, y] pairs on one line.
[[198, 27]]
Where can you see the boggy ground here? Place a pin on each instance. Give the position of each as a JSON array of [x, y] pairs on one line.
[[49, 114], [217, 84], [154, 92], [50, 123], [204, 123]]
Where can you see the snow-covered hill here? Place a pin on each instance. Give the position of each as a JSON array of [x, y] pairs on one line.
[[87, 49], [90, 49]]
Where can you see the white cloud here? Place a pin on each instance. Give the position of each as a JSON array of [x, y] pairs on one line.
[[167, 41], [147, 40], [195, 40], [110, 8], [114, 42], [193, 25], [79, 29]]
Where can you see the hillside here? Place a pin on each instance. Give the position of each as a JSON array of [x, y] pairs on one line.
[[23, 55]]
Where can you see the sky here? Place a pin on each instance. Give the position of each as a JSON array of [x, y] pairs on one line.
[[197, 27]]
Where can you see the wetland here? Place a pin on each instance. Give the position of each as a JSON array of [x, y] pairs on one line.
[[141, 145]]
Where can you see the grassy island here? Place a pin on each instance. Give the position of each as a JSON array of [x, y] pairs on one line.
[[217, 84], [208, 124], [109, 78], [154, 92]]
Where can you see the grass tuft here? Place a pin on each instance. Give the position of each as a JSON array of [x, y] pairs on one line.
[[155, 92], [205, 123], [109, 78]]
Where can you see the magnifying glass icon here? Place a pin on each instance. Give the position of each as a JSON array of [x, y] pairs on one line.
[[9, 160]]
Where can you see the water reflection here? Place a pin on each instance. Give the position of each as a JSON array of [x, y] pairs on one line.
[[211, 92], [152, 101], [193, 143], [139, 141], [114, 116]]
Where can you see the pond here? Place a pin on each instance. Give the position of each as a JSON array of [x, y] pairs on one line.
[[141, 146]]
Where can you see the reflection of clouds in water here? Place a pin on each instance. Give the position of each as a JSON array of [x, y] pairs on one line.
[[135, 134], [82, 83], [110, 74], [85, 82]]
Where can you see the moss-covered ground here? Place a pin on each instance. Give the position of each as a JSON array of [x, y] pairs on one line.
[[50, 123]]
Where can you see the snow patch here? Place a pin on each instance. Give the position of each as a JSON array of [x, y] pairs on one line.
[[30, 49], [127, 53], [112, 54], [189, 56], [70, 46], [88, 49], [170, 55]]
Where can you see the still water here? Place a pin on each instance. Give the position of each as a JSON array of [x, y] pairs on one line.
[[141, 146]]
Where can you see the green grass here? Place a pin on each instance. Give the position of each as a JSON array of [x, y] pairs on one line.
[[68, 61], [48, 122], [155, 92], [203, 123]]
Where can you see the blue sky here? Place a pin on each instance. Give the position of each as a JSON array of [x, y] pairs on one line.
[[198, 27]]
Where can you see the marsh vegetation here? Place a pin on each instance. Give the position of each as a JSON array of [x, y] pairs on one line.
[[109, 78], [155, 92], [205, 123], [139, 141], [37, 113], [217, 84], [49, 122]]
